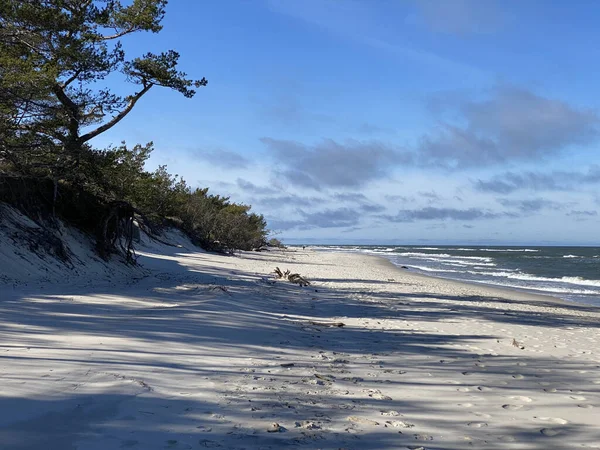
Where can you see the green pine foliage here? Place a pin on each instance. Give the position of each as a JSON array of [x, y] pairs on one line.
[[214, 222], [54, 57]]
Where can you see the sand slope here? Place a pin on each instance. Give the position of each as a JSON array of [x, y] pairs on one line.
[[209, 352]]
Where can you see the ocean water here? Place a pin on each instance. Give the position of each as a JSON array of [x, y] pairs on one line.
[[570, 273]]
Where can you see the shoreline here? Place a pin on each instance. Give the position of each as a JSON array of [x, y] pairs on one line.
[[486, 284], [440, 285], [501, 290]]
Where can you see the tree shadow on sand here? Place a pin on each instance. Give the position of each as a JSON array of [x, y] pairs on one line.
[[158, 345]]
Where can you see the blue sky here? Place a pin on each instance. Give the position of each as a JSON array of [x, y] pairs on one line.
[[442, 121]]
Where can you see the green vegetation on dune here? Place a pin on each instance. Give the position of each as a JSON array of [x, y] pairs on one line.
[[54, 58]]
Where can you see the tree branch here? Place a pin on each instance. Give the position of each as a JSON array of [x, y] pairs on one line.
[[115, 120], [71, 79], [119, 34]]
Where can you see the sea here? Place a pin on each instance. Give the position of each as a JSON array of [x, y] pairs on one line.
[[569, 273]]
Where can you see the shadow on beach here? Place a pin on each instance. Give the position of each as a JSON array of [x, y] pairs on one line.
[[212, 313]]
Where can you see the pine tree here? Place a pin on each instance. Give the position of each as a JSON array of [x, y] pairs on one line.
[[54, 55]]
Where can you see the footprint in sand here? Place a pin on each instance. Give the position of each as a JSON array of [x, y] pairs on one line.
[[354, 380], [400, 424], [556, 420], [379, 396], [521, 398], [423, 437], [586, 406], [512, 407], [466, 405], [477, 424], [362, 420], [550, 432], [577, 397]]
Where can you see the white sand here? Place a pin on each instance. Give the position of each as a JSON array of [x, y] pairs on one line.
[[191, 357]]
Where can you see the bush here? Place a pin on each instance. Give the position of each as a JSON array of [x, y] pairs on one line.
[[274, 242]]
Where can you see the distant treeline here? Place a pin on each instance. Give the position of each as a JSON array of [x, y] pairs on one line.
[[54, 58]]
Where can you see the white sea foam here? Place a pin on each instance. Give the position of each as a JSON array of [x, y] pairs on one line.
[[572, 256], [462, 263], [579, 280], [528, 277], [440, 256], [558, 290], [502, 250], [431, 269], [507, 250], [569, 280], [493, 274], [487, 267], [430, 255]]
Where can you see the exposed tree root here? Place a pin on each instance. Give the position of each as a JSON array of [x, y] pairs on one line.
[[116, 231]]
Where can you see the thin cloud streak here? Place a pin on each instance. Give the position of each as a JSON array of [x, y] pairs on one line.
[[431, 213], [223, 158], [509, 182], [355, 20], [462, 17]]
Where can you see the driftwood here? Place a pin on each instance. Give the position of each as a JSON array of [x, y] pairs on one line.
[[518, 344], [298, 279], [328, 378], [220, 288], [295, 278]]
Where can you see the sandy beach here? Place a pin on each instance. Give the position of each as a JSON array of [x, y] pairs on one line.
[[212, 351]]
